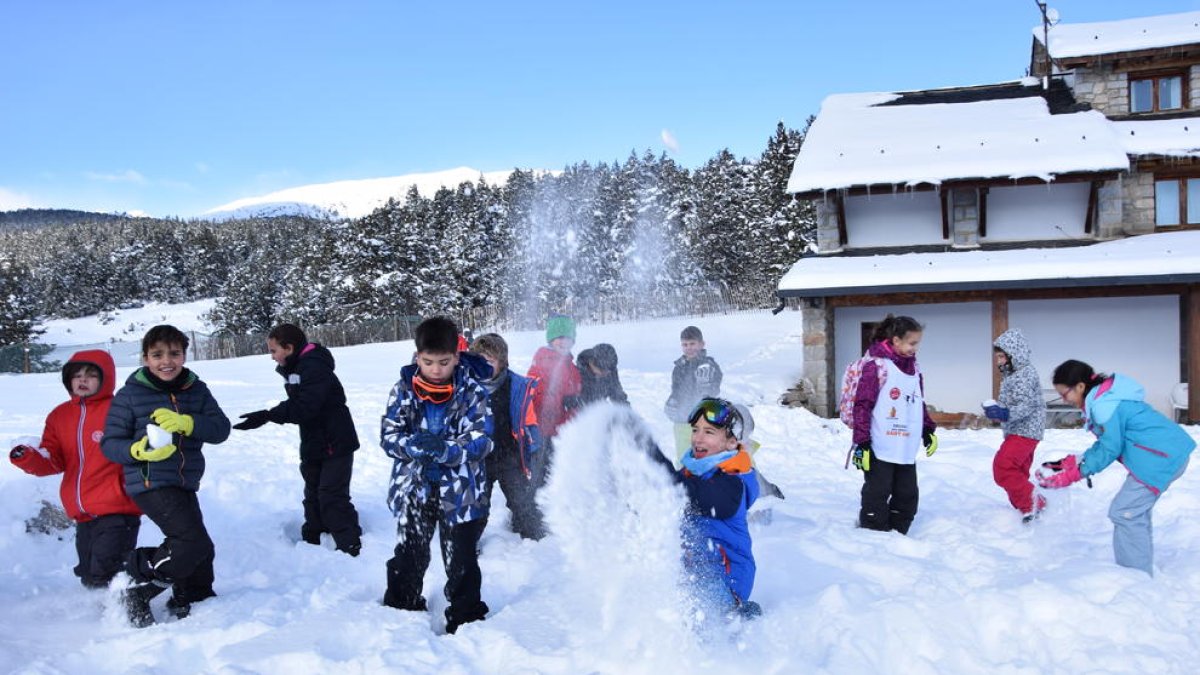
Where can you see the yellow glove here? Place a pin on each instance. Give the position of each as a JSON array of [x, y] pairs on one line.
[[141, 452], [930, 441], [172, 421]]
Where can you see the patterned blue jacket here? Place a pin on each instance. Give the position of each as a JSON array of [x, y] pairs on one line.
[[467, 430]]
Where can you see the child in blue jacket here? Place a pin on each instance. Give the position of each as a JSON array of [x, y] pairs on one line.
[[1153, 449], [721, 485]]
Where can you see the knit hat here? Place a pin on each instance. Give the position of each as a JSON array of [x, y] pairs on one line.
[[559, 325]]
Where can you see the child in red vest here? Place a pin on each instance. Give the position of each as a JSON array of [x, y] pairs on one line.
[[93, 491]]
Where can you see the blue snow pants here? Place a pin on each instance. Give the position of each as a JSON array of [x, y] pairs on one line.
[[1130, 512]]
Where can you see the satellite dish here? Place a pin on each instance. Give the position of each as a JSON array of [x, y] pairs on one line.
[[1052, 16]]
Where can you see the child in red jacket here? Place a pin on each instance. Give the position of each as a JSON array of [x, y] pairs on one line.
[[93, 491], [559, 384]]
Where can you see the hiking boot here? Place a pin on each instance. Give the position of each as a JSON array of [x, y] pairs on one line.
[[351, 549], [136, 601], [409, 605], [178, 608]]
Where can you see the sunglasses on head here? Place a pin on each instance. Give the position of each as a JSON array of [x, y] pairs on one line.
[[719, 413]]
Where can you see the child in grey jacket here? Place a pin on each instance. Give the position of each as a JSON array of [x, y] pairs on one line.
[[1021, 412]]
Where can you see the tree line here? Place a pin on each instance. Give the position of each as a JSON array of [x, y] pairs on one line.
[[540, 243]]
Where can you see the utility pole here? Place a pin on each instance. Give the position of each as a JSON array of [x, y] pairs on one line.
[[1049, 16]]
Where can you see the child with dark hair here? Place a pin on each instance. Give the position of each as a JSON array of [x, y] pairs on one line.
[[163, 479], [1153, 449], [316, 403], [598, 374], [891, 423], [93, 490], [437, 428], [720, 483], [695, 376], [1022, 414], [516, 439]]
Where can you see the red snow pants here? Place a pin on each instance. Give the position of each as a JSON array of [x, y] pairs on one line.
[[1010, 469]]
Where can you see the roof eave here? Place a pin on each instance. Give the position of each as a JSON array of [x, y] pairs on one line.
[[997, 285]]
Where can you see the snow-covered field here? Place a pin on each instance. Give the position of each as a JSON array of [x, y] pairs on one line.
[[972, 590]]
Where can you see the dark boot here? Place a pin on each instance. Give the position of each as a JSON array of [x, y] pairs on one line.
[[393, 600], [136, 600], [310, 535], [456, 619]]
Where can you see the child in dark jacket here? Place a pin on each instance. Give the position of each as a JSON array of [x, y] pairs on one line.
[[889, 429], [437, 428], [695, 376], [1022, 414], [93, 489], [598, 374], [163, 480], [515, 437], [720, 484], [316, 403]]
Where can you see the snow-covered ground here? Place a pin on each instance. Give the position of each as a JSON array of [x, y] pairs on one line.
[[972, 590]]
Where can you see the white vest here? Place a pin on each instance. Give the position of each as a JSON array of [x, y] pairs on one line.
[[898, 417]]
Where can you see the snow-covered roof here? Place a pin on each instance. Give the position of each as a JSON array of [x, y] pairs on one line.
[[1177, 137], [1109, 37], [1166, 257], [857, 141]]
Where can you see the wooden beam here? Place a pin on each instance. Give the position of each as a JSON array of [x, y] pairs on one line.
[[999, 325], [981, 211], [1193, 352], [1090, 216], [1003, 181], [945, 194], [933, 298], [843, 234]]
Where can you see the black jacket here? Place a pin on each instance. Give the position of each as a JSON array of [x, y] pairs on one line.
[[317, 403]]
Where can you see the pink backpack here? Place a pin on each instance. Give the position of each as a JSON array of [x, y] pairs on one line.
[[850, 380]]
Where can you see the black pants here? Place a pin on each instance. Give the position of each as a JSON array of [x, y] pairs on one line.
[[460, 554], [519, 493], [327, 506], [889, 496], [103, 544], [184, 560]]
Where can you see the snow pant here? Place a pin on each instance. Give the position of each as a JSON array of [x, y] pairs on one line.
[[327, 506], [889, 496], [184, 561], [519, 493], [1010, 470], [1133, 533], [460, 555], [103, 544]]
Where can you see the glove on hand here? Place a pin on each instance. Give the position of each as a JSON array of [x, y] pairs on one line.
[[930, 441], [140, 450], [862, 456], [172, 421], [426, 447], [20, 451], [1066, 471], [996, 412], [252, 420]]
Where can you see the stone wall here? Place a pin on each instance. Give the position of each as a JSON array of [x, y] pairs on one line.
[[817, 390], [1138, 213], [964, 218], [1108, 91], [828, 238]]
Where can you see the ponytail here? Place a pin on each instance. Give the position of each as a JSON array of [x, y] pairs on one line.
[[895, 327]]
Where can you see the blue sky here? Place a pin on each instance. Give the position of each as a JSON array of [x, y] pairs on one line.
[[172, 108]]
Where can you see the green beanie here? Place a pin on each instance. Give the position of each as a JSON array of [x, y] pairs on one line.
[[559, 325]]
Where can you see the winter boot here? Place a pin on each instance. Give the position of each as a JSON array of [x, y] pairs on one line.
[[476, 613], [394, 601], [310, 535], [136, 600]]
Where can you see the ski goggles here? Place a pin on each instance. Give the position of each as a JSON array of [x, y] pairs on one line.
[[719, 413], [433, 393]]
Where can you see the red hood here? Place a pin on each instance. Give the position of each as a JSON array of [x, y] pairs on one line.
[[108, 371]]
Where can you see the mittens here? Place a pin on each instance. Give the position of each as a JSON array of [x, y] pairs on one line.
[[996, 412], [253, 420], [1066, 473], [140, 450], [426, 447]]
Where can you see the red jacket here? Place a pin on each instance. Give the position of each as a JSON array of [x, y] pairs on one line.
[[92, 485], [558, 379]]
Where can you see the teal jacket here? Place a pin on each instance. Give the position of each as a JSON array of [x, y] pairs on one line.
[[1153, 448]]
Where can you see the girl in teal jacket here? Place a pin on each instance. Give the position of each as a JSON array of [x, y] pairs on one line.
[[1153, 449]]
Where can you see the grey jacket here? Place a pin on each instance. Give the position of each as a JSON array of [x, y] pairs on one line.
[[1020, 388]]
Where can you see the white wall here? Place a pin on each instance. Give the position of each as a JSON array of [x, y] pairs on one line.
[[900, 219], [1033, 212], [955, 353], [1138, 337]]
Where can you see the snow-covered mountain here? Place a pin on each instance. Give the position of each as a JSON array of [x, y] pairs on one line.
[[349, 198]]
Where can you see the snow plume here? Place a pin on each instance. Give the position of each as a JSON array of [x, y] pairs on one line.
[[615, 514]]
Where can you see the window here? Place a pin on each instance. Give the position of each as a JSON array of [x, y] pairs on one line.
[[1177, 201], [1157, 93]]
